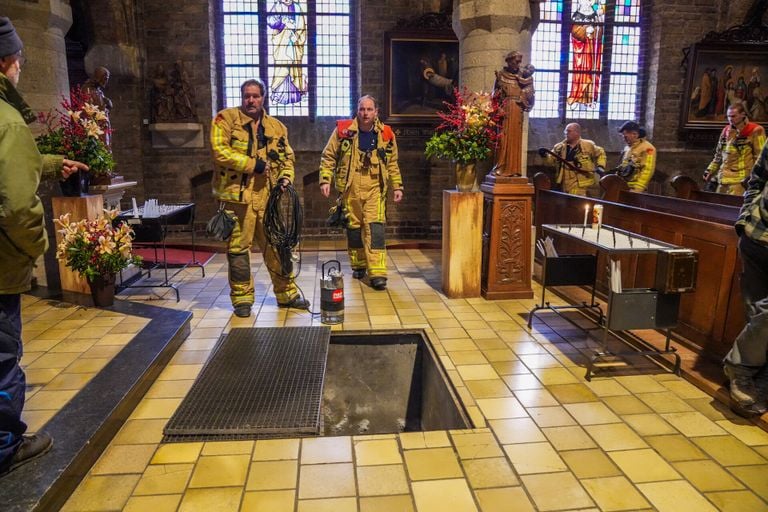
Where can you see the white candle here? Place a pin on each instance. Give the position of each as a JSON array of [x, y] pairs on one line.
[[586, 213], [136, 207]]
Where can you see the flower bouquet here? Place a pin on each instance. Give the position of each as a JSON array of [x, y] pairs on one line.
[[96, 249], [77, 131]]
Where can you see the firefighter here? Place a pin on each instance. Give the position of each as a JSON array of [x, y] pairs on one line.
[[737, 149], [583, 154], [361, 160], [638, 160], [252, 155]]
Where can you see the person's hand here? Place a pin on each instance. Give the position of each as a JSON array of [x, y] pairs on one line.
[[707, 176], [69, 167], [398, 195], [600, 170], [325, 189], [543, 152], [284, 182]]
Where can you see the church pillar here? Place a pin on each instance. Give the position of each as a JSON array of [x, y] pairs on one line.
[[115, 38]]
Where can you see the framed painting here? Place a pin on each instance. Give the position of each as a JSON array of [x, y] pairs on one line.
[[421, 73], [720, 75]]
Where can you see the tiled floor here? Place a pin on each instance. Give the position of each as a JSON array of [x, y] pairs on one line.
[[638, 439]]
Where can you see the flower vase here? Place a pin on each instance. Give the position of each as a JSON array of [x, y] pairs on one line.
[[466, 176], [103, 290]]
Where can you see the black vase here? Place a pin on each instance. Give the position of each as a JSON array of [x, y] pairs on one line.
[[76, 185], [103, 290]]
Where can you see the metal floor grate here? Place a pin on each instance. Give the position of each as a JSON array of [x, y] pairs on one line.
[[259, 382]]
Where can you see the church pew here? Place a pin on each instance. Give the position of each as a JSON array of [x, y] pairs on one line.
[[712, 315], [687, 188]]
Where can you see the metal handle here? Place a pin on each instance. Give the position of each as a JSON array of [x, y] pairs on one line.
[[337, 266]]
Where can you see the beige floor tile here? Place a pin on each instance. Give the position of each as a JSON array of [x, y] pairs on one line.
[[502, 354], [607, 387], [370, 453], [540, 361], [228, 448], [736, 501], [140, 432], [326, 481], [551, 416], [443, 495], [504, 499], [382, 480], [180, 372], [667, 496], [554, 491], [536, 398], [707, 475], [221, 500], [276, 449], [49, 399], [665, 402], [69, 381], [754, 478], [623, 404], [465, 357], [729, 451], [648, 424], [167, 503], [88, 365], [124, 459], [477, 372], [492, 388], [675, 448], [41, 376], [484, 473], [177, 453], [514, 368], [268, 501], [572, 393], [517, 430], [615, 493], [432, 463], [644, 465], [592, 413], [323, 450], [476, 445], [693, 424], [387, 504], [169, 389], [164, 479], [615, 436], [328, 505], [500, 408], [436, 439], [522, 381], [743, 430], [590, 464], [220, 471], [534, 458], [155, 408], [36, 420], [101, 493], [641, 384], [568, 438], [271, 475], [684, 389]]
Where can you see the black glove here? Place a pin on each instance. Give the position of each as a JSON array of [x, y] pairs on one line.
[[261, 165], [739, 229], [543, 152], [600, 170]]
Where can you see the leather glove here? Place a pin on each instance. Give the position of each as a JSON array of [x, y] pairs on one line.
[[600, 170], [261, 165], [739, 229], [543, 152]]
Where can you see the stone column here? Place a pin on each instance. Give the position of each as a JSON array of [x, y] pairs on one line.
[[115, 38], [487, 31], [42, 26]]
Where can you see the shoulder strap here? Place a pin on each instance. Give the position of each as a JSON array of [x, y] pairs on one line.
[[342, 127], [387, 134]]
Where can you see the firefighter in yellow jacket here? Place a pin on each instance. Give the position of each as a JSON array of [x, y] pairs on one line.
[[583, 154], [252, 155], [737, 150], [638, 160], [361, 160]]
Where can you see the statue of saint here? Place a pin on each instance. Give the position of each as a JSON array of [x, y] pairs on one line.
[[514, 91], [161, 96], [183, 94], [94, 88]]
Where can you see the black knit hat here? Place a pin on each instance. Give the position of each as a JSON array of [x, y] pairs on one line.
[[632, 126], [10, 43]]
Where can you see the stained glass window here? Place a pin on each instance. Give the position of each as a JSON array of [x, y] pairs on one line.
[[587, 59], [301, 50]]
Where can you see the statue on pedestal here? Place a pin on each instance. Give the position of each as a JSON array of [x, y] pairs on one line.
[[94, 89], [172, 97], [514, 90]]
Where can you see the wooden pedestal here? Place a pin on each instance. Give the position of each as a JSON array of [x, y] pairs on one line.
[[462, 243], [86, 207], [506, 267]]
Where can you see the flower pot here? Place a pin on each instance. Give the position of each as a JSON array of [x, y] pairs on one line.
[[76, 185], [466, 176], [103, 290]]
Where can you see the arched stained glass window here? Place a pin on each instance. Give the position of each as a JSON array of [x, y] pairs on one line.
[[588, 59], [302, 49]]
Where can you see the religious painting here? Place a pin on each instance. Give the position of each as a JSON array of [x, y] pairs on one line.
[[586, 65], [720, 75], [287, 23], [421, 73]]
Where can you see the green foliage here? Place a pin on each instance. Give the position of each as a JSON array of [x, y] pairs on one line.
[[454, 146]]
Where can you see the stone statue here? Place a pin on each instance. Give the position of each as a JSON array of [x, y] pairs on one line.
[[514, 91], [94, 88], [172, 97]]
